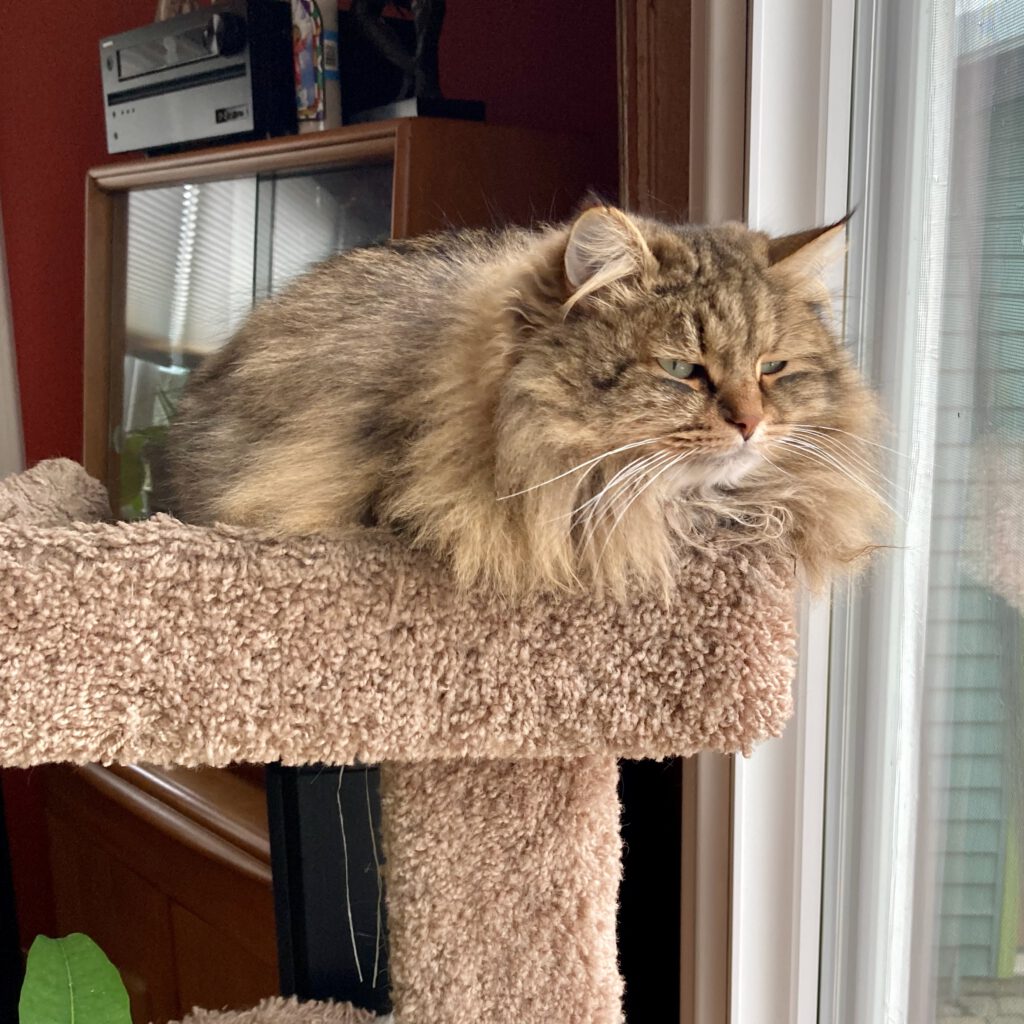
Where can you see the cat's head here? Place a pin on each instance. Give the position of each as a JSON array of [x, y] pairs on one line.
[[706, 362]]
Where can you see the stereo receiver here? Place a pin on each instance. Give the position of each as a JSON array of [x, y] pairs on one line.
[[221, 72]]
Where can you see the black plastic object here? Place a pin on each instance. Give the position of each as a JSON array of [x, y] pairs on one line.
[[11, 972], [328, 889], [649, 926]]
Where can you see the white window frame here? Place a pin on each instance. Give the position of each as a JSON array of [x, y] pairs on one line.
[[12, 452], [878, 892], [798, 162], [763, 817], [801, 145]]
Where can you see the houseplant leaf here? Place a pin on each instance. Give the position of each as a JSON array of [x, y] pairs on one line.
[[71, 981]]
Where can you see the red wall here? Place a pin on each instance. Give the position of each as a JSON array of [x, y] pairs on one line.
[[51, 132], [539, 63]]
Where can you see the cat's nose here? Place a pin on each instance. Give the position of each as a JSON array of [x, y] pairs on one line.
[[746, 423]]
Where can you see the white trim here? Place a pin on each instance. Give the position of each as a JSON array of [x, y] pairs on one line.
[[718, 130], [778, 803], [12, 452], [718, 110], [801, 57]]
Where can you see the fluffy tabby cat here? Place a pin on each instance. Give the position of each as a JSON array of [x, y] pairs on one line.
[[546, 409]]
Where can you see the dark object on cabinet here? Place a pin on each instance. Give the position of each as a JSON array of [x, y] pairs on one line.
[[419, 63], [386, 73], [368, 78]]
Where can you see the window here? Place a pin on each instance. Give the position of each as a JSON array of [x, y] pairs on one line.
[[877, 871], [922, 883]]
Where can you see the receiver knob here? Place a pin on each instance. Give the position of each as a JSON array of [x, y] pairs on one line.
[[225, 34]]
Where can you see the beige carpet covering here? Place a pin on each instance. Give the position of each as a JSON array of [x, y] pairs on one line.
[[502, 879], [285, 1011], [172, 644], [113, 636]]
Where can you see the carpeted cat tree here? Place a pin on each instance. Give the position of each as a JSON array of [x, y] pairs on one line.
[[498, 724]]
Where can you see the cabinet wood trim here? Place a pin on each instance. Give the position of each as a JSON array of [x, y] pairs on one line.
[[654, 44], [219, 801], [340, 146], [102, 223], [172, 823]]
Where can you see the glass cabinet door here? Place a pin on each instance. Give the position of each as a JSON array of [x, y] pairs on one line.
[[198, 256], [304, 218]]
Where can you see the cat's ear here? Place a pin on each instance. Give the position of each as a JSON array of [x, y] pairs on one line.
[[809, 253], [808, 260], [604, 246]]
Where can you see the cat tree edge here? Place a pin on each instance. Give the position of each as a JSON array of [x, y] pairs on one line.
[[166, 643]]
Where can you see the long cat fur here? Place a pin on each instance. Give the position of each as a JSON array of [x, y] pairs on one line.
[[446, 387]]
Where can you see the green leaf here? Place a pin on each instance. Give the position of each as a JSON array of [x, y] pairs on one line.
[[133, 469], [70, 981]]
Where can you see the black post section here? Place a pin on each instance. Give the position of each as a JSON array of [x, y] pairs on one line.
[[11, 972], [328, 888], [649, 912]]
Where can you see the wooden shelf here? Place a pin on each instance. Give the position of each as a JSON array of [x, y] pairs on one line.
[[192, 801]]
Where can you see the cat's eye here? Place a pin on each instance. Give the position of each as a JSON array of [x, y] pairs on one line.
[[684, 371], [773, 367]]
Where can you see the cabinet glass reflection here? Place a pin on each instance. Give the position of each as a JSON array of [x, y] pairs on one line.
[[198, 256]]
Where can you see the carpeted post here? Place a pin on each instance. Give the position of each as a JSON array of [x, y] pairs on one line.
[[502, 881]]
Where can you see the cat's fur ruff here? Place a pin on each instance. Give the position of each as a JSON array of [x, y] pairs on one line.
[[433, 386]]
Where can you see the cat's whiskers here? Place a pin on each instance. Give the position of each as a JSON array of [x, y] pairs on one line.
[[830, 459], [859, 459], [837, 430], [806, 446], [624, 492], [775, 466], [856, 472], [620, 503], [675, 461], [624, 474], [621, 483], [583, 465]]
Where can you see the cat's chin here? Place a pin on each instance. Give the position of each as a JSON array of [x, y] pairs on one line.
[[720, 472]]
